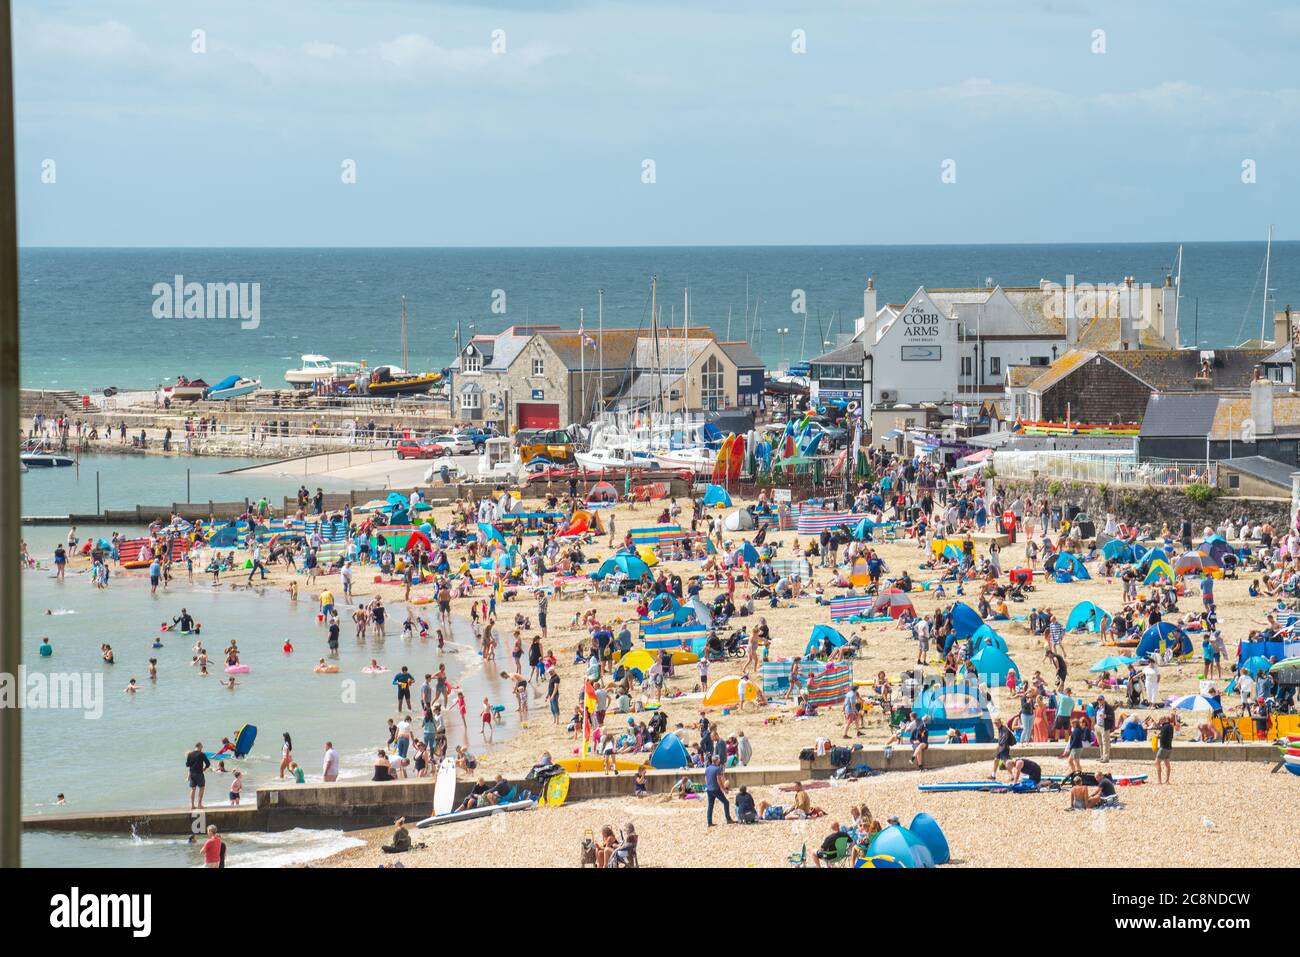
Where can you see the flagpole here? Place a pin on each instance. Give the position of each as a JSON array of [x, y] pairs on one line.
[[600, 331], [582, 367]]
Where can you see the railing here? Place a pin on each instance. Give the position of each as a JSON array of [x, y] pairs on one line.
[[1120, 469]]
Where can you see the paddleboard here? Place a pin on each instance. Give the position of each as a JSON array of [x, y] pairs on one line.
[[473, 813], [966, 786], [575, 765], [444, 790], [557, 789]]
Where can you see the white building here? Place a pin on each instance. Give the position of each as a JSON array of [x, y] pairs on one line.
[[956, 345]]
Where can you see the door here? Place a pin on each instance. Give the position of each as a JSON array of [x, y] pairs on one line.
[[539, 415]]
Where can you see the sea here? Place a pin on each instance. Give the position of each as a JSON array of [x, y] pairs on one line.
[[89, 315], [88, 323]]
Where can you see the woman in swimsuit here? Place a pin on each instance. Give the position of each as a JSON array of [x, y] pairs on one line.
[[286, 755]]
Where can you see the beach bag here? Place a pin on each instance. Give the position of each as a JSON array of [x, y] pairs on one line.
[[840, 757]]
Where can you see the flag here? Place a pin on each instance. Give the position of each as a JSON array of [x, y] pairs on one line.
[[500, 588], [588, 706]]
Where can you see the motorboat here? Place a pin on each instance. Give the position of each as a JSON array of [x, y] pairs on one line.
[[391, 380], [317, 368], [232, 387], [36, 455], [187, 390], [616, 457], [699, 458]]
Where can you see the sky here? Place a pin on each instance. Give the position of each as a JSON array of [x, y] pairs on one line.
[[536, 123]]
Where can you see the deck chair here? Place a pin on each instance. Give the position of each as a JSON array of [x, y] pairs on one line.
[[841, 852], [800, 859]]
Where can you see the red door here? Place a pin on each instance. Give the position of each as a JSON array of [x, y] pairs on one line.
[[539, 415]]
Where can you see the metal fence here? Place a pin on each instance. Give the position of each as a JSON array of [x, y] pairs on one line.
[[1102, 469]]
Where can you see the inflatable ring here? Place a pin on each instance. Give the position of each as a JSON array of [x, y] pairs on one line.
[[852, 407]]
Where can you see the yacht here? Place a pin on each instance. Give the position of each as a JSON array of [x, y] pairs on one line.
[[232, 387], [317, 368], [616, 456]]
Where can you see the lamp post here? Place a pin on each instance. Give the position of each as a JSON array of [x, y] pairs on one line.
[[783, 332]]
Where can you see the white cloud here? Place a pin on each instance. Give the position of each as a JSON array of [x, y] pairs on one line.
[[109, 40], [322, 50]]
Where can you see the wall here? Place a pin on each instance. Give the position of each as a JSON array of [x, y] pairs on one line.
[[1099, 392], [1154, 505]]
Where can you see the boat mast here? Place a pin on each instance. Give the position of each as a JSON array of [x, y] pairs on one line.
[[404, 360], [582, 365], [1263, 318], [600, 326], [654, 331], [1178, 295]]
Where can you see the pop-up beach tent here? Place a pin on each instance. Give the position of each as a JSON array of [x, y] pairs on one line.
[[630, 565], [1158, 569], [1088, 615], [718, 496], [1069, 567], [986, 637], [992, 665], [670, 753], [819, 633], [741, 520], [893, 602], [1166, 634]]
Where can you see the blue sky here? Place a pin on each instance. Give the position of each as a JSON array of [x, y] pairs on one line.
[[544, 144]]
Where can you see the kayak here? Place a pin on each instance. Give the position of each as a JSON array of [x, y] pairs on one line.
[[474, 812]]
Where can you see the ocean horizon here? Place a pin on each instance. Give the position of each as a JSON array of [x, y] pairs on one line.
[[88, 316]]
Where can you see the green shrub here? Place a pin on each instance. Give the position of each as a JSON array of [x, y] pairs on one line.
[[1201, 493]]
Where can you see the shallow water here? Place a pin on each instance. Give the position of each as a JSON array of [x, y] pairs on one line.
[[132, 754]]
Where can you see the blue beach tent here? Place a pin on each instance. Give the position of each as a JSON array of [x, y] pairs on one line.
[[717, 495], [819, 633], [630, 565], [1172, 636], [1087, 614], [670, 753]]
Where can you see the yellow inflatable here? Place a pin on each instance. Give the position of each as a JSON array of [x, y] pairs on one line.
[[726, 691]]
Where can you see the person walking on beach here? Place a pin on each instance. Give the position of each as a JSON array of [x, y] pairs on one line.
[[197, 762], [257, 564], [330, 768], [715, 787], [542, 603], [1164, 749]]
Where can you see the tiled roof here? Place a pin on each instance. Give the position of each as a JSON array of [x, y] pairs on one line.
[[1021, 376], [1179, 416], [1265, 469], [1175, 370], [1061, 368], [851, 353], [1232, 413]]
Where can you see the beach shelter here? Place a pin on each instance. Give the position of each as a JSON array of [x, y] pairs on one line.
[[726, 691], [639, 659], [1088, 615], [1197, 563], [1256, 665], [741, 520], [602, 493], [965, 620], [992, 665], [703, 613], [860, 573], [630, 565], [670, 753], [1196, 702], [664, 601], [1216, 547], [1163, 633], [1118, 550], [986, 637], [717, 496], [1159, 569], [1070, 566], [647, 555], [819, 633], [927, 829], [893, 602], [746, 554], [901, 844]]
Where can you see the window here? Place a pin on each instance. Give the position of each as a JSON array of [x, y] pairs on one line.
[[539, 366], [472, 362], [965, 365], [1038, 360], [743, 379], [853, 373], [995, 366], [712, 395], [471, 401]]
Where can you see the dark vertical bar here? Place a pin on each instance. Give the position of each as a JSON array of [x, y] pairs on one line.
[[10, 491]]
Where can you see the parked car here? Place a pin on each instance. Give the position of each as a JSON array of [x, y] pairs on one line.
[[420, 449], [478, 435], [456, 443]]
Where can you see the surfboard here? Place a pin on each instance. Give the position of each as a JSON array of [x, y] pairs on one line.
[[557, 789], [473, 813], [444, 790], [966, 786]]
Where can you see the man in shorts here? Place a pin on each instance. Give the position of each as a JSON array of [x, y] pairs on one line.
[[1164, 748], [197, 762]]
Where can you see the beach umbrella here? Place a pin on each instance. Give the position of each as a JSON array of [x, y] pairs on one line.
[[1286, 664], [1196, 702], [1111, 662]]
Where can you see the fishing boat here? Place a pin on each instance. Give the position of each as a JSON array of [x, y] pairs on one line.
[[232, 387], [36, 455], [393, 380], [187, 390], [317, 368]]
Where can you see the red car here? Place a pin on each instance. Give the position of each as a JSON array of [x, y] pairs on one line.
[[419, 449]]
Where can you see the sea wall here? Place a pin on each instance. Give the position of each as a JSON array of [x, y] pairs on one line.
[[1152, 504]]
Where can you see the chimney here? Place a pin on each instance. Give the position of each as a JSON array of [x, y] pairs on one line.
[[866, 326], [1282, 328], [1126, 340], [1261, 406], [1169, 313]]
